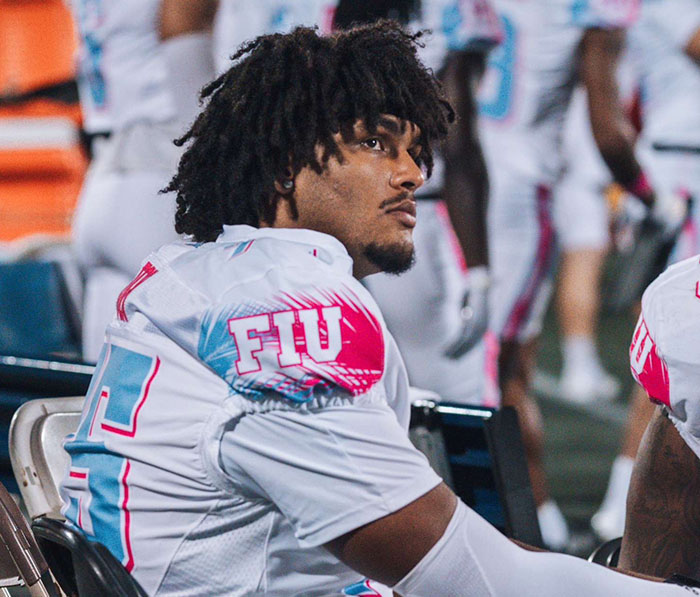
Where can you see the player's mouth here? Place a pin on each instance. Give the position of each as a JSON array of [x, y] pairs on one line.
[[403, 208]]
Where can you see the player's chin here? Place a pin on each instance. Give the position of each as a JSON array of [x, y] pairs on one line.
[[392, 258]]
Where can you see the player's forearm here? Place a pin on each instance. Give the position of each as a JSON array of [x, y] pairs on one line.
[[465, 193], [613, 132], [616, 147]]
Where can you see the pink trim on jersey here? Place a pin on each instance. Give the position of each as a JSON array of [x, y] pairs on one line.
[[648, 368], [103, 395], [129, 565], [518, 316], [131, 432], [492, 393], [451, 235], [77, 475], [146, 272]]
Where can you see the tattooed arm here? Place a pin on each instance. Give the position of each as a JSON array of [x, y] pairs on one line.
[[662, 529]]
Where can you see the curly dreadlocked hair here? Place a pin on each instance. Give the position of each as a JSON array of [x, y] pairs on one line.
[[284, 96]]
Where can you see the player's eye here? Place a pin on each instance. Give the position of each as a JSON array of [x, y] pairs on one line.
[[374, 143]]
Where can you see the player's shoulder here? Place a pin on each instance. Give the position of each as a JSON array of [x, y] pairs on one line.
[[671, 304], [677, 284], [277, 313]]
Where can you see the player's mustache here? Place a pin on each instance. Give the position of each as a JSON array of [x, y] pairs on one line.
[[396, 199]]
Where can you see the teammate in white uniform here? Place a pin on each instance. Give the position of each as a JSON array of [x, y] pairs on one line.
[[524, 98], [666, 44], [141, 65], [245, 430], [663, 508]]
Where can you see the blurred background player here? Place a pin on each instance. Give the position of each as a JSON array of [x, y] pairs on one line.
[[438, 310], [662, 530], [523, 100], [665, 43], [141, 65]]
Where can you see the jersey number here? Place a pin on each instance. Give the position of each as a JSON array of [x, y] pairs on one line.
[[498, 86], [99, 478]]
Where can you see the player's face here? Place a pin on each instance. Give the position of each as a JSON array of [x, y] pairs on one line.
[[366, 200]]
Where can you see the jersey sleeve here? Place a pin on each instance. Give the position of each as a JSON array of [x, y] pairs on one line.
[[605, 14], [664, 353], [678, 20], [328, 470], [295, 334]]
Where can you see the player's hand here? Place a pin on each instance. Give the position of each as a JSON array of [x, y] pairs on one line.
[[474, 313], [669, 212]]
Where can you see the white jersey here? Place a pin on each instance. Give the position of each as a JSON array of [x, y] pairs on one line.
[[664, 354], [238, 21], [454, 25], [249, 406], [122, 74], [530, 78], [670, 79]]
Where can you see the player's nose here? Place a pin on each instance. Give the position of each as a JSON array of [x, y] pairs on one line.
[[407, 175]]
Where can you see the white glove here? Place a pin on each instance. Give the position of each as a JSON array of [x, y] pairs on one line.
[[669, 212], [474, 312]]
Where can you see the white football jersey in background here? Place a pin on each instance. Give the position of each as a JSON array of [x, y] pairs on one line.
[[122, 75]]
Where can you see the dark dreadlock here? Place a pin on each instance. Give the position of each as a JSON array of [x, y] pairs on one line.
[[285, 95]]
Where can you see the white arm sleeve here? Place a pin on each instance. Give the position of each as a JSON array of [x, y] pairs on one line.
[[472, 558], [330, 470]]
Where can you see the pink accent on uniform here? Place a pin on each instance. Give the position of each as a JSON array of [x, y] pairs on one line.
[[641, 187], [359, 364], [131, 432], [328, 19], [697, 289], [648, 368], [146, 272], [492, 393], [77, 475], [129, 565], [545, 247], [451, 236]]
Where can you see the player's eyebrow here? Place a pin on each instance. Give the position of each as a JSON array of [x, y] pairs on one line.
[[391, 124], [395, 126]]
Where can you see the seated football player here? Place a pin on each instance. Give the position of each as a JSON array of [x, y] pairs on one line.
[[662, 528], [245, 432]]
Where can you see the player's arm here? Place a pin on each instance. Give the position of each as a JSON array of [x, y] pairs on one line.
[[662, 528], [466, 179], [692, 47], [465, 192], [613, 132], [178, 17]]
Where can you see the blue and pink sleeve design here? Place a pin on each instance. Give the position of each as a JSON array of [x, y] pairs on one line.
[[299, 345]]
